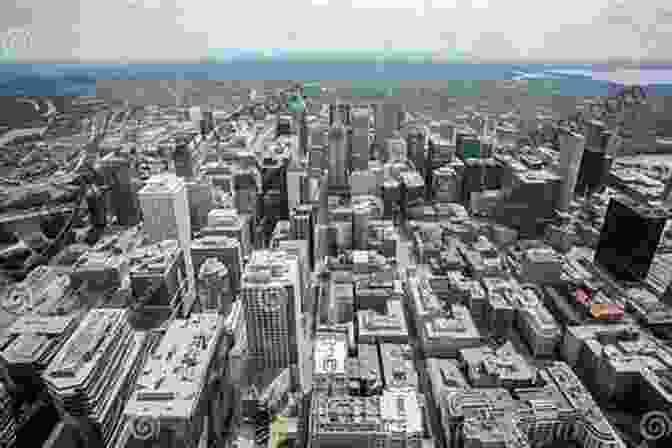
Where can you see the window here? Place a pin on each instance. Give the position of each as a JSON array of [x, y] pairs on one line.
[[329, 364], [401, 405]]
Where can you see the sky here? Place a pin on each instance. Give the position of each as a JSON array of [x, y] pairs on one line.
[[147, 30]]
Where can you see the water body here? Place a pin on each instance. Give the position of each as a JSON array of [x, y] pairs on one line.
[[70, 80]]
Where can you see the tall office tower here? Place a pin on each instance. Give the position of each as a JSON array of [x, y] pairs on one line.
[[348, 114], [209, 118], [180, 155], [341, 299], [123, 198], [396, 148], [387, 120], [339, 112], [246, 183], [325, 243], [332, 114], [571, 152], [489, 125], [318, 158], [593, 131], [392, 195], [195, 115], [299, 248], [666, 197], [226, 250], [338, 176], [416, 147], [340, 219], [591, 171], [639, 123], [319, 134], [214, 288], [527, 122], [295, 179], [360, 138], [165, 209], [271, 295], [630, 237], [447, 185], [360, 226], [342, 113], [201, 201], [319, 184], [302, 129], [530, 201], [303, 223], [446, 130], [473, 179], [593, 159]]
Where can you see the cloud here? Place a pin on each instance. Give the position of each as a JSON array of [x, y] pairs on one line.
[[177, 29]]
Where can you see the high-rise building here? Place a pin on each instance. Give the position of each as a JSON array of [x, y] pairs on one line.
[[628, 257], [396, 150], [338, 156], [302, 219], [639, 124], [318, 134], [416, 148], [271, 294], [295, 181], [446, 130], [387, 120], [339, 112], [571, 152], [201, 201], [196, 115], [123, 199], [360, 138], [360, 226], [165, 210]]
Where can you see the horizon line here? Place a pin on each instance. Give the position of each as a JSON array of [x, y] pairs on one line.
[[425, 57]]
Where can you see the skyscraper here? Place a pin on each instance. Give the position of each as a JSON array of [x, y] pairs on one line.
[[165, 210], [123, 199], [387, 120], [360, 138], [629, 238], [415, 143], [571, 152], [396, 148], [271, 295], [338, 154]]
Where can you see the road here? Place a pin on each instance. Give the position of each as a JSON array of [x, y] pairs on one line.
[[17, 133]]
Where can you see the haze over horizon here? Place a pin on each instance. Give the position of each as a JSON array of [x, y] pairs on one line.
[[172, 30]]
